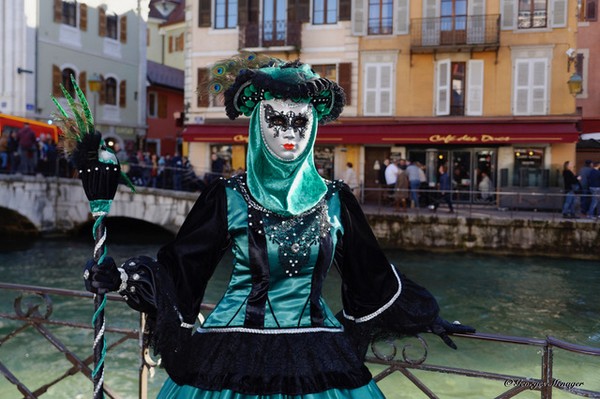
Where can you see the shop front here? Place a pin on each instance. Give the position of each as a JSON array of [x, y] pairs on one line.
[[486, 155]]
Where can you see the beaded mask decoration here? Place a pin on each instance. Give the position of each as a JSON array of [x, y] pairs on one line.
[[246, 80]]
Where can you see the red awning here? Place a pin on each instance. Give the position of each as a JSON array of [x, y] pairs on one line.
[[409, 133]]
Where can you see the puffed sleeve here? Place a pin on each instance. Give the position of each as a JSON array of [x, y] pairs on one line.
[[171, 288], [377, 298]]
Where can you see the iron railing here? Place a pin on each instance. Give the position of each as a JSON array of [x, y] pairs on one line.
[[38, 316], [473, 31]]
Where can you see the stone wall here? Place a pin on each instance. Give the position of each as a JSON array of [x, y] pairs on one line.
[[557, 238]]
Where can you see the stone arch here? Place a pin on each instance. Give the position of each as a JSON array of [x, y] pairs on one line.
[[16, 225]]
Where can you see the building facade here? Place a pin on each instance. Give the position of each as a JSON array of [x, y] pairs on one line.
[[103, 46], [479, 86]]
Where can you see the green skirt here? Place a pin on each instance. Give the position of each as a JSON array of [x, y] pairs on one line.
[[171, 390]]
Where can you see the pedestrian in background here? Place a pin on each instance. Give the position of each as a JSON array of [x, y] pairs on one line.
[[3, 151], [27, 150], [351, 179], [585, 198], [445, 187], [571, 183], [414, 178], [594, 184]]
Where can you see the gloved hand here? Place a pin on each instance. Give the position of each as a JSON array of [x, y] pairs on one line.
[[101, 278], [442, 328]]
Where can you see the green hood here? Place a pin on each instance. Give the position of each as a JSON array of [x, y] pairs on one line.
[[284, 187]]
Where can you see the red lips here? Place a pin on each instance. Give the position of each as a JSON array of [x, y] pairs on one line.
[[289, 146]]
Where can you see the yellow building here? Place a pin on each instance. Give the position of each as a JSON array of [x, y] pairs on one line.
[[475, 85]]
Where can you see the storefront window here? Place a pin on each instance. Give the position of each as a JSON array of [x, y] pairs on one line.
[[324, 161], [528, 168]]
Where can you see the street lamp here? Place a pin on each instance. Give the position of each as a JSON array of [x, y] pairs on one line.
[[95, 84], [575, 84]]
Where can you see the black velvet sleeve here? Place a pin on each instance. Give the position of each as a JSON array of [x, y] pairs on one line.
[[376, 296]]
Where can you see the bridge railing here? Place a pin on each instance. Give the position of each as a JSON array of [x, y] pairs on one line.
[[33, 309]]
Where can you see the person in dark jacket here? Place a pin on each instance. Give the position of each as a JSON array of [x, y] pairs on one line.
[[445, 187], [571, 187], [594, 184]]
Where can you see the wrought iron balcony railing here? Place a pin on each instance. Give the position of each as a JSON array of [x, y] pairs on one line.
[[480, 32], [33, 310]]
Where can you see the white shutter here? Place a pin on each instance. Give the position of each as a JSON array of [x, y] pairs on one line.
[[559, 13], [521, 93], [442, 87], [385, 90], [508, 17], [370, 107], [402, 15], [539, 89], [474, 87], [431, 23], [476, 22], [359, 17]]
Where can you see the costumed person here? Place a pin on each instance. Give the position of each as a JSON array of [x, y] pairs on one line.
[[272, 335]]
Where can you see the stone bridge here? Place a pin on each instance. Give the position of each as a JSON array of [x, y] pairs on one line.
[[55, 205]]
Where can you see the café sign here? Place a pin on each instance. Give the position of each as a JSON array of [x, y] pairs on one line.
[[467, 138]]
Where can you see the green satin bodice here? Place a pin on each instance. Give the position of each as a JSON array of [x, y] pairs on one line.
[[289, 289]]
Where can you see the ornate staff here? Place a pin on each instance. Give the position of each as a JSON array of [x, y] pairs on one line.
[[99, 171]]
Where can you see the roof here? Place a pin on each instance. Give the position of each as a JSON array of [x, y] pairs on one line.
[[163, 75], [177, 15]]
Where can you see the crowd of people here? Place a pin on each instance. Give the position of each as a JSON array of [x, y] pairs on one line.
[[585, 186], [406, 185], [22, 152]]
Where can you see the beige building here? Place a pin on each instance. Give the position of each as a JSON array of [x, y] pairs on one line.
[[476, 85]]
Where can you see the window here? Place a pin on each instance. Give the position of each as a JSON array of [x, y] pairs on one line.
[[533, 14], [66, 80], [378, 89], [110, 91], [530, 90], [69, 13], [588, 10], [326, 71], [380, 17], [325, 12], [274, 22], [459, 88], [225, 14], [112, 28], [152, 105]]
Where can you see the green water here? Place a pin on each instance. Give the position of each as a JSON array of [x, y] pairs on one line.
[[529, 297]]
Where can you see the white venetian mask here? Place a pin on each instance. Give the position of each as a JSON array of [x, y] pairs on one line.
[[285, 127]]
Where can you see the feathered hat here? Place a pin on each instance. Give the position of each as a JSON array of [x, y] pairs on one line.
[[247, 79]]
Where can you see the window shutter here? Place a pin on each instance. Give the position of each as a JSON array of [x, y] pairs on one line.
[[162, 106], [370, 105], [508, 17], [83, 16], [345, 80], [521, 101], [345, 11], [431, 25], [475, 87], [476, 22], [559, 13], [83, 82], [58, 12], [170, 44], [202, 95], [101, 22], [591, 10], [402, 15], [539, 86], [56, 81], [205, 14], [123, 27], [123, 94], [442, 88], [359, 17], [102, 96], [242, 12], [385, 90], [302, 10]]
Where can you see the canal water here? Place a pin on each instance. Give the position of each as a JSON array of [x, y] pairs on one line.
[[519, 296]]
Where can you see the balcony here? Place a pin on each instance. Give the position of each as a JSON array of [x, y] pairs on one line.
[[454, 34], [280, 33]]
